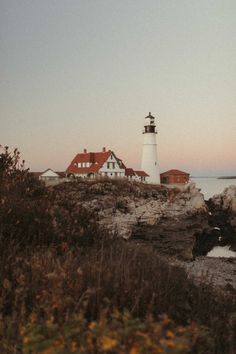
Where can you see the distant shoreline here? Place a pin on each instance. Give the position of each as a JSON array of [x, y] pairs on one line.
[[222, 177], [228, 177]]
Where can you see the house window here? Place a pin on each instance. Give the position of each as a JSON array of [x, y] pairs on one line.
[[111, 157], [108, 165], [113, 165]]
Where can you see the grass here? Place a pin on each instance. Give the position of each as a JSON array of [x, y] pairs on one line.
[[44, 288], [59, 287]]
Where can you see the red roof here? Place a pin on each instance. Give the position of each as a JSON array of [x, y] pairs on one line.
[[121, 163], [96, 159], [141, 173], [174, 172], [129, 172]]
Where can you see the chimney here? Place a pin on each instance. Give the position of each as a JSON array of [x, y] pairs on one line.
[[104, 149], [85, 151]]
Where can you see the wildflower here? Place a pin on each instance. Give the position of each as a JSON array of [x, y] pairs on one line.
[[108, 343], [73, 347], [92, 325]]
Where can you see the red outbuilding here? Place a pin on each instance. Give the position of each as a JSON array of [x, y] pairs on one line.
[[174, 176]]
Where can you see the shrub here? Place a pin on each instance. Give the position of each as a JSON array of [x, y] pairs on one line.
[[115, 333], [24, 211], [113, 289]]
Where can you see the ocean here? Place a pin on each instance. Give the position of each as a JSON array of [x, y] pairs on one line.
[[210, 185]]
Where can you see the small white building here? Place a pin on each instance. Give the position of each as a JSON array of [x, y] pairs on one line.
[[49, 175], [132, 175]]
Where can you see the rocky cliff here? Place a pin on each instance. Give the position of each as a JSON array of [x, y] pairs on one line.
[[176, 223], [168, 216]]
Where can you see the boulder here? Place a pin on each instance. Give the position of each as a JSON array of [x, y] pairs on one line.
[[223, 207]]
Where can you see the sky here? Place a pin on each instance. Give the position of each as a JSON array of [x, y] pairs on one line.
[[81, 74]]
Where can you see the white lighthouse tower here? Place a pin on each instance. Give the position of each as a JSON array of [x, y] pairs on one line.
[[149, 158]]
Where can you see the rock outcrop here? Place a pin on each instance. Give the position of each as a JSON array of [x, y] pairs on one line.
[[167, 216], [130, 212], [226, 200], [223, 208], [222, 223]]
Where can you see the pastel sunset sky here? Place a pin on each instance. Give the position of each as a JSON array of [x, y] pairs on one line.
[[81, 74]]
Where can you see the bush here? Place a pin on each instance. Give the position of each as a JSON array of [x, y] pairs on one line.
[[111, 290], [31, 215], [115, 333], [24, 210]]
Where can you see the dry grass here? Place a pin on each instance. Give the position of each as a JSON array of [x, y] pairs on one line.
[[43, 288], [58, 286]]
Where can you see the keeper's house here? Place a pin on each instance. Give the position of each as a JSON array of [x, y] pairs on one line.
[[174, 177], [101, 164]]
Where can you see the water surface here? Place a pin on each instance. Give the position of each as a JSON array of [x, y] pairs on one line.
[[211, 186], [221, 251]]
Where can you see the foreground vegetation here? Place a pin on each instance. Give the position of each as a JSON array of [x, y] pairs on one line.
[[66, 287]]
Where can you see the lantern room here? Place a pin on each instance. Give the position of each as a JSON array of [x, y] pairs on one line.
[[149, 124]]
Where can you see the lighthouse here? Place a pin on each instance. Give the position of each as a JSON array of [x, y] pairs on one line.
[[149, 157]]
